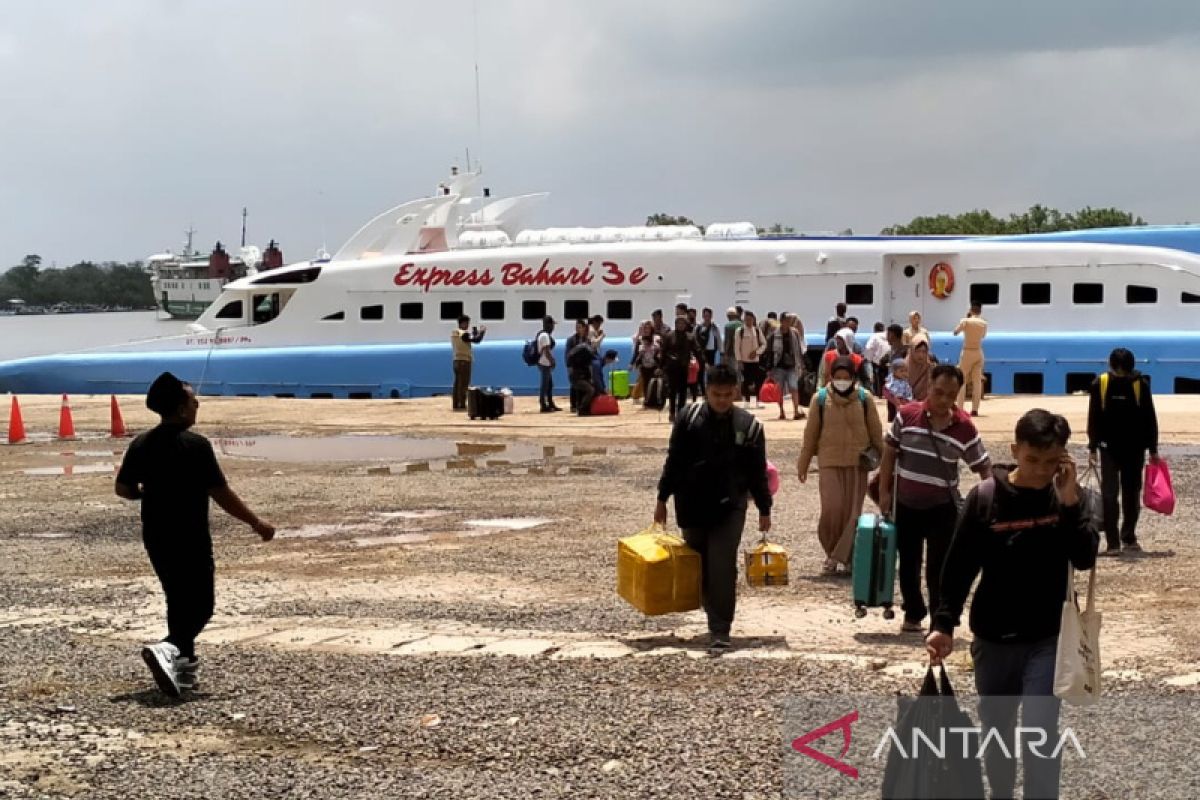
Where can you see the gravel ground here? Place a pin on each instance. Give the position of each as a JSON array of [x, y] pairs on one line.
[[78, 716]]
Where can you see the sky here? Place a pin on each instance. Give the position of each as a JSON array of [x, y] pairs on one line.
[[124, 122]]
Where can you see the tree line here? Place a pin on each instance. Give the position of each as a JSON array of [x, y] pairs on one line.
[[109, 283], [1038, 219], [980, 222]]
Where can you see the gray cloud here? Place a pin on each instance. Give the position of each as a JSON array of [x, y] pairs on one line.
[[128, 121]]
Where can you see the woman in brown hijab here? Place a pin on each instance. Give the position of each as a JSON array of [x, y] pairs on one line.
[[919, 367]]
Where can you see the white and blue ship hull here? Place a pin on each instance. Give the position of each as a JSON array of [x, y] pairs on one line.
[[376, 320], [1016, 364]]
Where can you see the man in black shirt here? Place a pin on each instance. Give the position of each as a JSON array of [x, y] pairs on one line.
[[717, 456], [835, 324], [708, 337], [1122, 426], [174, 472], [1022, 529]]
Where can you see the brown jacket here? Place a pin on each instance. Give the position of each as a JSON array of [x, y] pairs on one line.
[[849, 427]]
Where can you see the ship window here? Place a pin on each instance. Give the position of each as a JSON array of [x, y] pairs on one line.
[[1028, 383], [491, 309], [1087, 293], [986, 294], [860, 294], [1079, 382], [1188, 297], [1137, 295], [533, 309], [335, 317], [575, 309], [293, 276], [1035, 294], [266, 308], [371, 313], [452, 309], [231, 311], [620, 309], [412, 311]]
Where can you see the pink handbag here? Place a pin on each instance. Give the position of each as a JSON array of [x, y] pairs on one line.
[[772, 478], [1157, 495]]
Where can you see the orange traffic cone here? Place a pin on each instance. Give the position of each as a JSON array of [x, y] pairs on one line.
[[66, 425], [16, 425], [118, 424]]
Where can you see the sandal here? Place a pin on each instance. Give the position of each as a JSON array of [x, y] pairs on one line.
[[830, 567]]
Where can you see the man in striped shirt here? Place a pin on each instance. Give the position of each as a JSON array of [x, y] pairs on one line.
[[925, 444]]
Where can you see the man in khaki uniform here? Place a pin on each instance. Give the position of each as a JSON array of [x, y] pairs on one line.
[[973, 328]]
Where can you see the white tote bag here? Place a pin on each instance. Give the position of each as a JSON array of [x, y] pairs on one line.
[[1077, 662]]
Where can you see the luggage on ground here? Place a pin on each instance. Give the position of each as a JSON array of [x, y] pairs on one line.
[[769, 392], [657, 573], [509, 403], [874, 565], [656, 393], [766, 565], [619, 383], [604, 405], [484, 403]]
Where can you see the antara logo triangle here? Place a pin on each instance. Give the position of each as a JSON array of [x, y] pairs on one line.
[[801, 745]]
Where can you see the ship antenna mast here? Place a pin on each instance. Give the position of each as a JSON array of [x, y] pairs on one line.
[[478, 112], [243, 226], [187, 245]]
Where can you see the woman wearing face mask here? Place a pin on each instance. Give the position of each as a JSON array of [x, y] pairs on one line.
[[842, 424], [919, 366]]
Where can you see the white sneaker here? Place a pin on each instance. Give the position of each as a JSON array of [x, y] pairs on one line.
[[186, 676], [160, 658]]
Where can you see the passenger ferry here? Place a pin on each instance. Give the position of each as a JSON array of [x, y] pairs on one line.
[[185, 285], [375, 319]]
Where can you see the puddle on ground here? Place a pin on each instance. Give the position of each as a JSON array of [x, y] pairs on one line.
[[512, 524], [72, 469], [317, 531], [372, 535], [418, 454], [305, 450]]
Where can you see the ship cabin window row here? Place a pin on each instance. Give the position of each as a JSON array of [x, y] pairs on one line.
[[489, 310], [1082, 294]]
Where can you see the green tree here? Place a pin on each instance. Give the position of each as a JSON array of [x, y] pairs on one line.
[[778, 229], [667, 219], [1038, 219]]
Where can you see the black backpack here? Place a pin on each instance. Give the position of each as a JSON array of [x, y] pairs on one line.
[[656, 393], [580, 356]]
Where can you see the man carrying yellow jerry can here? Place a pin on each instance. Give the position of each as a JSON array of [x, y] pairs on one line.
[[716, 459]]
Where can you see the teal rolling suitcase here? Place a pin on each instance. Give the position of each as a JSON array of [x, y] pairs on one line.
[[874, 567]]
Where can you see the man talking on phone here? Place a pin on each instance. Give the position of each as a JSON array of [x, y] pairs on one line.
[[1020, 529]]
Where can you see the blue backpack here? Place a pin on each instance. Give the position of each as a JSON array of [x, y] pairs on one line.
[[531, 353]]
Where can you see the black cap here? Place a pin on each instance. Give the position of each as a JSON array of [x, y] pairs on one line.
[[165, 395]]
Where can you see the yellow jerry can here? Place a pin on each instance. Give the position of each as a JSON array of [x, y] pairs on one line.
[[657, 573], [767, 565]]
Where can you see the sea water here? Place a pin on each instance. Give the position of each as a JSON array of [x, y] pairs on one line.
[[47, 334]]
